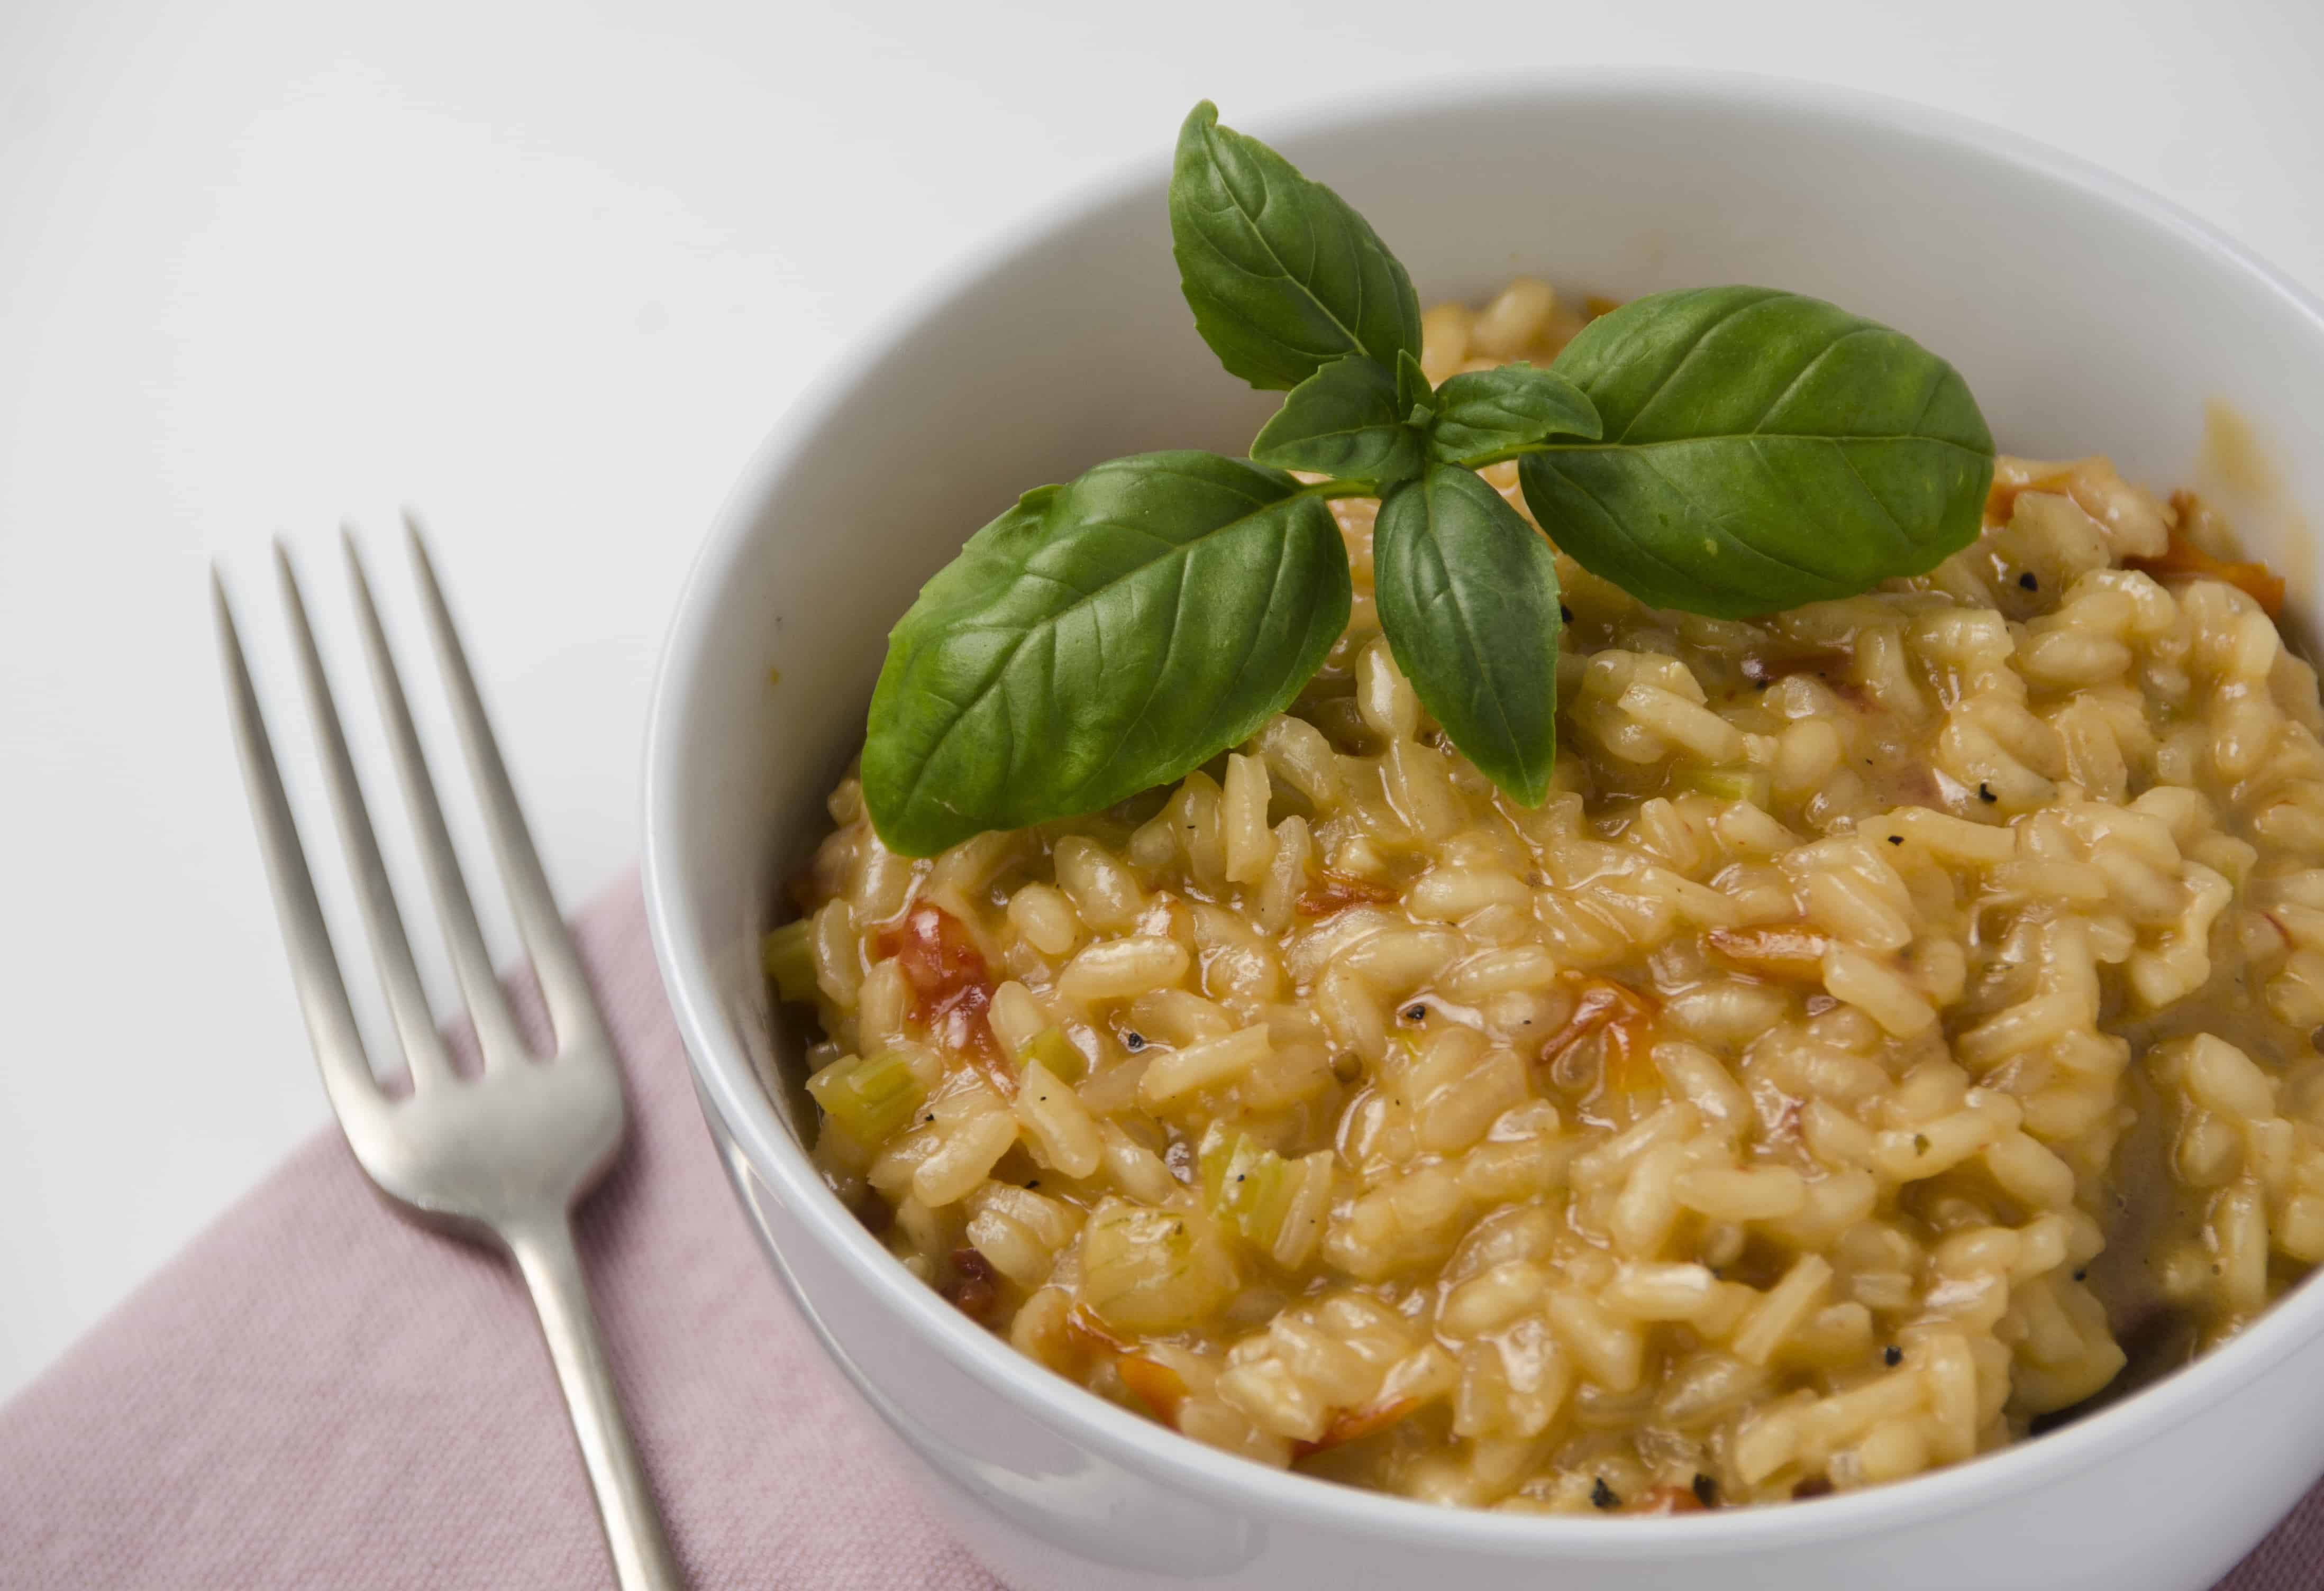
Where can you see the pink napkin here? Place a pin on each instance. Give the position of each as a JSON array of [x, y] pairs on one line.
[[316, 1394]]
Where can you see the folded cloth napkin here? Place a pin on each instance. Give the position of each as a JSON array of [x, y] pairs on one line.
[[317, 1394]]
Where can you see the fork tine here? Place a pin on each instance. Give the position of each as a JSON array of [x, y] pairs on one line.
[[496, 1034], [314, 967], [391, 948], [564, 987]]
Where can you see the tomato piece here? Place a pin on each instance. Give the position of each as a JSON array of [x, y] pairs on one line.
[[1627, 1019], [1156, 1385], [1350, 1424], [1092, 1334], [2001, 497], [1665, 1500], [951, 989], [2184, 559], [1336, 892], [973, 1288]]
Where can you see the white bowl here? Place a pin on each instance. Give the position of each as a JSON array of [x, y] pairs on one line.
[[2087, 316]]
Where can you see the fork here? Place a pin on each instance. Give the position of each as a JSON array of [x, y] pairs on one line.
[[499, 1158]]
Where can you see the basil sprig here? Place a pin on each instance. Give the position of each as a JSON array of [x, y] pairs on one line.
[[1727, 451]]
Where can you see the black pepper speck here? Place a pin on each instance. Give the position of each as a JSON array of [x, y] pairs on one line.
[[2028, 580], [1602, 1496], [1133, 1041], [1892, 1356], [1415, 1012], [1985, 792]]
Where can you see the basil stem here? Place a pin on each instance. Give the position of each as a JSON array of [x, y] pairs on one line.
[[1728, 451]]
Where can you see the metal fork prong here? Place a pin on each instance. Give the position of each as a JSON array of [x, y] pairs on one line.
[[390, 947], [496, 1034], [564, 986], [314, 967]]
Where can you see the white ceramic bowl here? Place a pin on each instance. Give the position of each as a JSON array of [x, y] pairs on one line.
[[2087, 315]]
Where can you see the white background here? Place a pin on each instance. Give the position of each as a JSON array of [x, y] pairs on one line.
[[545, 272]]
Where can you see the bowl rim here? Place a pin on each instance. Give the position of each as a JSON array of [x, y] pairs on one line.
[[727, 1082]]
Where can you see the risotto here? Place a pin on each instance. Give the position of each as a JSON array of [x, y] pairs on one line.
[[1893, 1031]]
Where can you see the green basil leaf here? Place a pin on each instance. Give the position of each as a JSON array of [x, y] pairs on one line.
[[1415, 399], [1483, 412], [1097, 640], [1283, 277], [1760, 450], [1467, 595], [1343, 421]]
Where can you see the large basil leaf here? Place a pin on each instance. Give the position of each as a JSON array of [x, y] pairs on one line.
[[1483, 412], [1760, 450], [1343, 422], [1467, 595], [1099, 639], [1283, 277]]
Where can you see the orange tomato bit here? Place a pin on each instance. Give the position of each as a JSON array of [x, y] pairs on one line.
[[1350, 1424], [1091, 1334], [1627, 1019], [1665, 1500], [1336, 892], [2184, 559], [951, 989], [1156, 1385]]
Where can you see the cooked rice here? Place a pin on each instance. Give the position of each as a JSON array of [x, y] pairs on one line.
[[1898, 1013]]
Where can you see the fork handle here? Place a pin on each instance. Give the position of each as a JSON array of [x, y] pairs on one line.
[[551, 1266]]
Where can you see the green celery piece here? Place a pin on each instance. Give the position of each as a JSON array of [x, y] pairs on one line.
[[869, 1097], [1265, 1199], [1052, 1049], [1729, 784], [788, 954], [1246, 1187], [1218, 1147]]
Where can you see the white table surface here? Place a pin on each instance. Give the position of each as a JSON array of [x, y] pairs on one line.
[[545, 272]]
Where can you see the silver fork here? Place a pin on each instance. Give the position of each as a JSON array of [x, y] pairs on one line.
[[501, 1157]]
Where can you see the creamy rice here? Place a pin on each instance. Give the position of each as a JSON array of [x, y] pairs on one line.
[[1895, 1023]]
